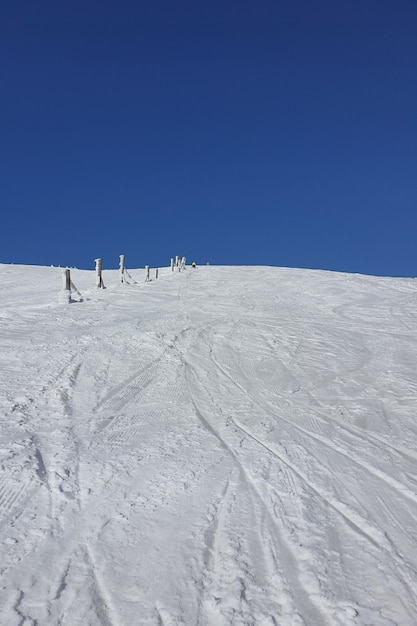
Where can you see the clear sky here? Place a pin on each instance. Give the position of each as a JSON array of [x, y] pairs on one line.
[[269, 132]]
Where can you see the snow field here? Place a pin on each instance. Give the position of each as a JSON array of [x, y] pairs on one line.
[[222, 446]]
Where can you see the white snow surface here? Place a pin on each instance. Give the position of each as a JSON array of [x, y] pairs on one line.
[[221, 446]]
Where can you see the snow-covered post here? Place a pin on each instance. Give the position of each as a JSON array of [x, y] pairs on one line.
[[66, 287], [67, 279], [156, 273], [122, 268], [148, 269], [172, 265], [99, 277], [177, 260], [183, 260]]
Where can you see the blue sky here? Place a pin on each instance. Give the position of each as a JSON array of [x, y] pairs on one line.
[[262, 133]]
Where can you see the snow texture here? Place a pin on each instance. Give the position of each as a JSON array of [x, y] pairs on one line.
[[221, 446]]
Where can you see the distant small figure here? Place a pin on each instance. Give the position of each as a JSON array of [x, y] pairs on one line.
[[207, 263], [193, 265]]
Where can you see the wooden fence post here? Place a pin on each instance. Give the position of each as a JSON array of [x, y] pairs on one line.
[[67, 280], [172, 265], [156, 273], [66, 288], [99, 277], [122, 268], [148, 269]]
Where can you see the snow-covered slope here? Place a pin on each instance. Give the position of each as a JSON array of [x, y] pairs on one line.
[[221, 446]]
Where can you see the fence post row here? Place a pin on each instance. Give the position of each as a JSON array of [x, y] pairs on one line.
[[178, 263], [68, 286]]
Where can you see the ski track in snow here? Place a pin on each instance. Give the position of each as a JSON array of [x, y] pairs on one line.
[[223, 446], [361, 524]]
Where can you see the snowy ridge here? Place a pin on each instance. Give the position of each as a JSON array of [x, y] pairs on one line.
[[221, 446]]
